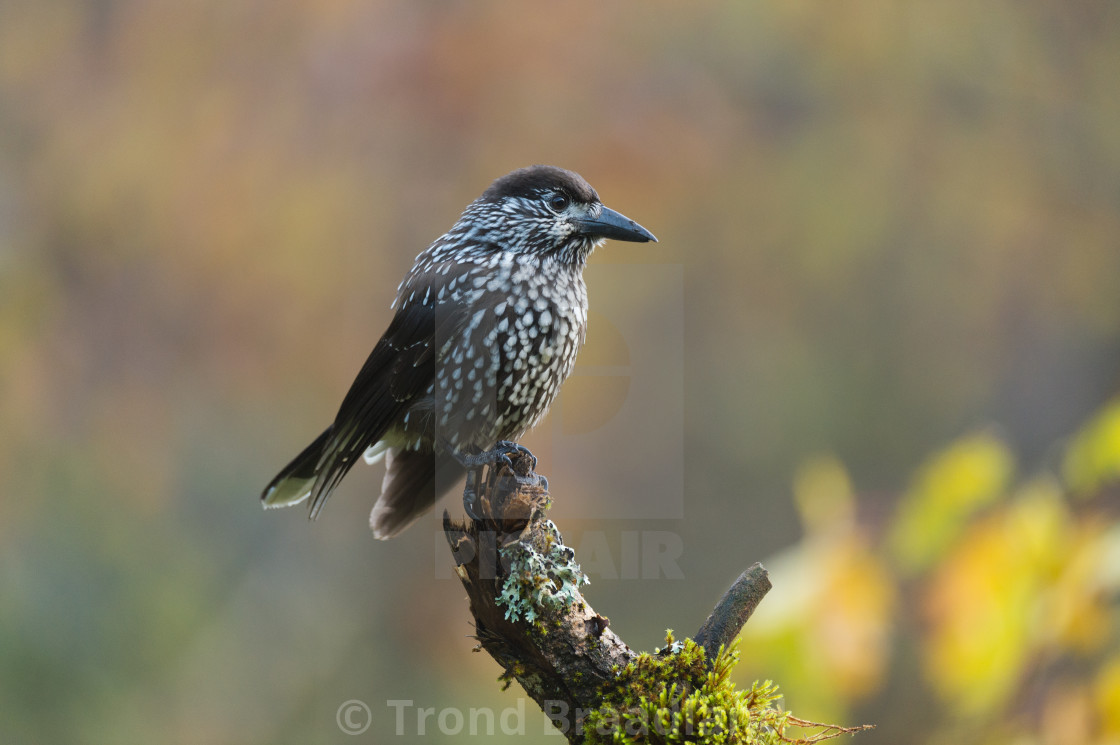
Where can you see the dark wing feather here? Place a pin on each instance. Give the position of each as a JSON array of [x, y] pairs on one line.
[[398, 370]]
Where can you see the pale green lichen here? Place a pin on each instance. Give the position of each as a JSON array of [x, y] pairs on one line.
[[539, 576]]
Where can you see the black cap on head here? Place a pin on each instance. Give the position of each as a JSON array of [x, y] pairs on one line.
[[527, 181]]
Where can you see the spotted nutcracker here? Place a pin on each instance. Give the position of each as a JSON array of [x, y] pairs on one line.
[[488, 324]]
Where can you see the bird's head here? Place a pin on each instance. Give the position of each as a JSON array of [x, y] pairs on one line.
[[549, 211]]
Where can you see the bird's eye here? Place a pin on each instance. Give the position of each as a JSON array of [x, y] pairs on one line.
[[559, 202]]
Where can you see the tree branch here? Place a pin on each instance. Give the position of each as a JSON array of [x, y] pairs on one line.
[[733, 609], [523, 586]]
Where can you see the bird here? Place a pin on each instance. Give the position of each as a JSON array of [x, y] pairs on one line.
[[486, 326]]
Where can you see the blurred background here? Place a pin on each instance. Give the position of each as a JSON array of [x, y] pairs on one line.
[[887, 288]]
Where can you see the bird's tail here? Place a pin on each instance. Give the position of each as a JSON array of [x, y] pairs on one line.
[[293, 484], [414, 480]]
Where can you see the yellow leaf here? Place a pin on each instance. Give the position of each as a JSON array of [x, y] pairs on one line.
[[977, 606], [972, 473], [854, 618], [1093, 458], [823, 493]]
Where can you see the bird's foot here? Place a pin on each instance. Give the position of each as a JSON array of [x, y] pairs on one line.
[[501, 454]]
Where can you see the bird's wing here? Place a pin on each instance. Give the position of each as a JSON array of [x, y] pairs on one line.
[[398, 370]]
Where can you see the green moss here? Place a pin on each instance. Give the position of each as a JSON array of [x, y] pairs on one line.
[[530, 681], [542, 575], [675, 696]]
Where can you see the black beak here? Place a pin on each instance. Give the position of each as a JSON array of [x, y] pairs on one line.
[[610, 224]]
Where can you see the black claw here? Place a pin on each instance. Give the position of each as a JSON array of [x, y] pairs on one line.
[[470, 495], [511, 448], [470, 504]]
